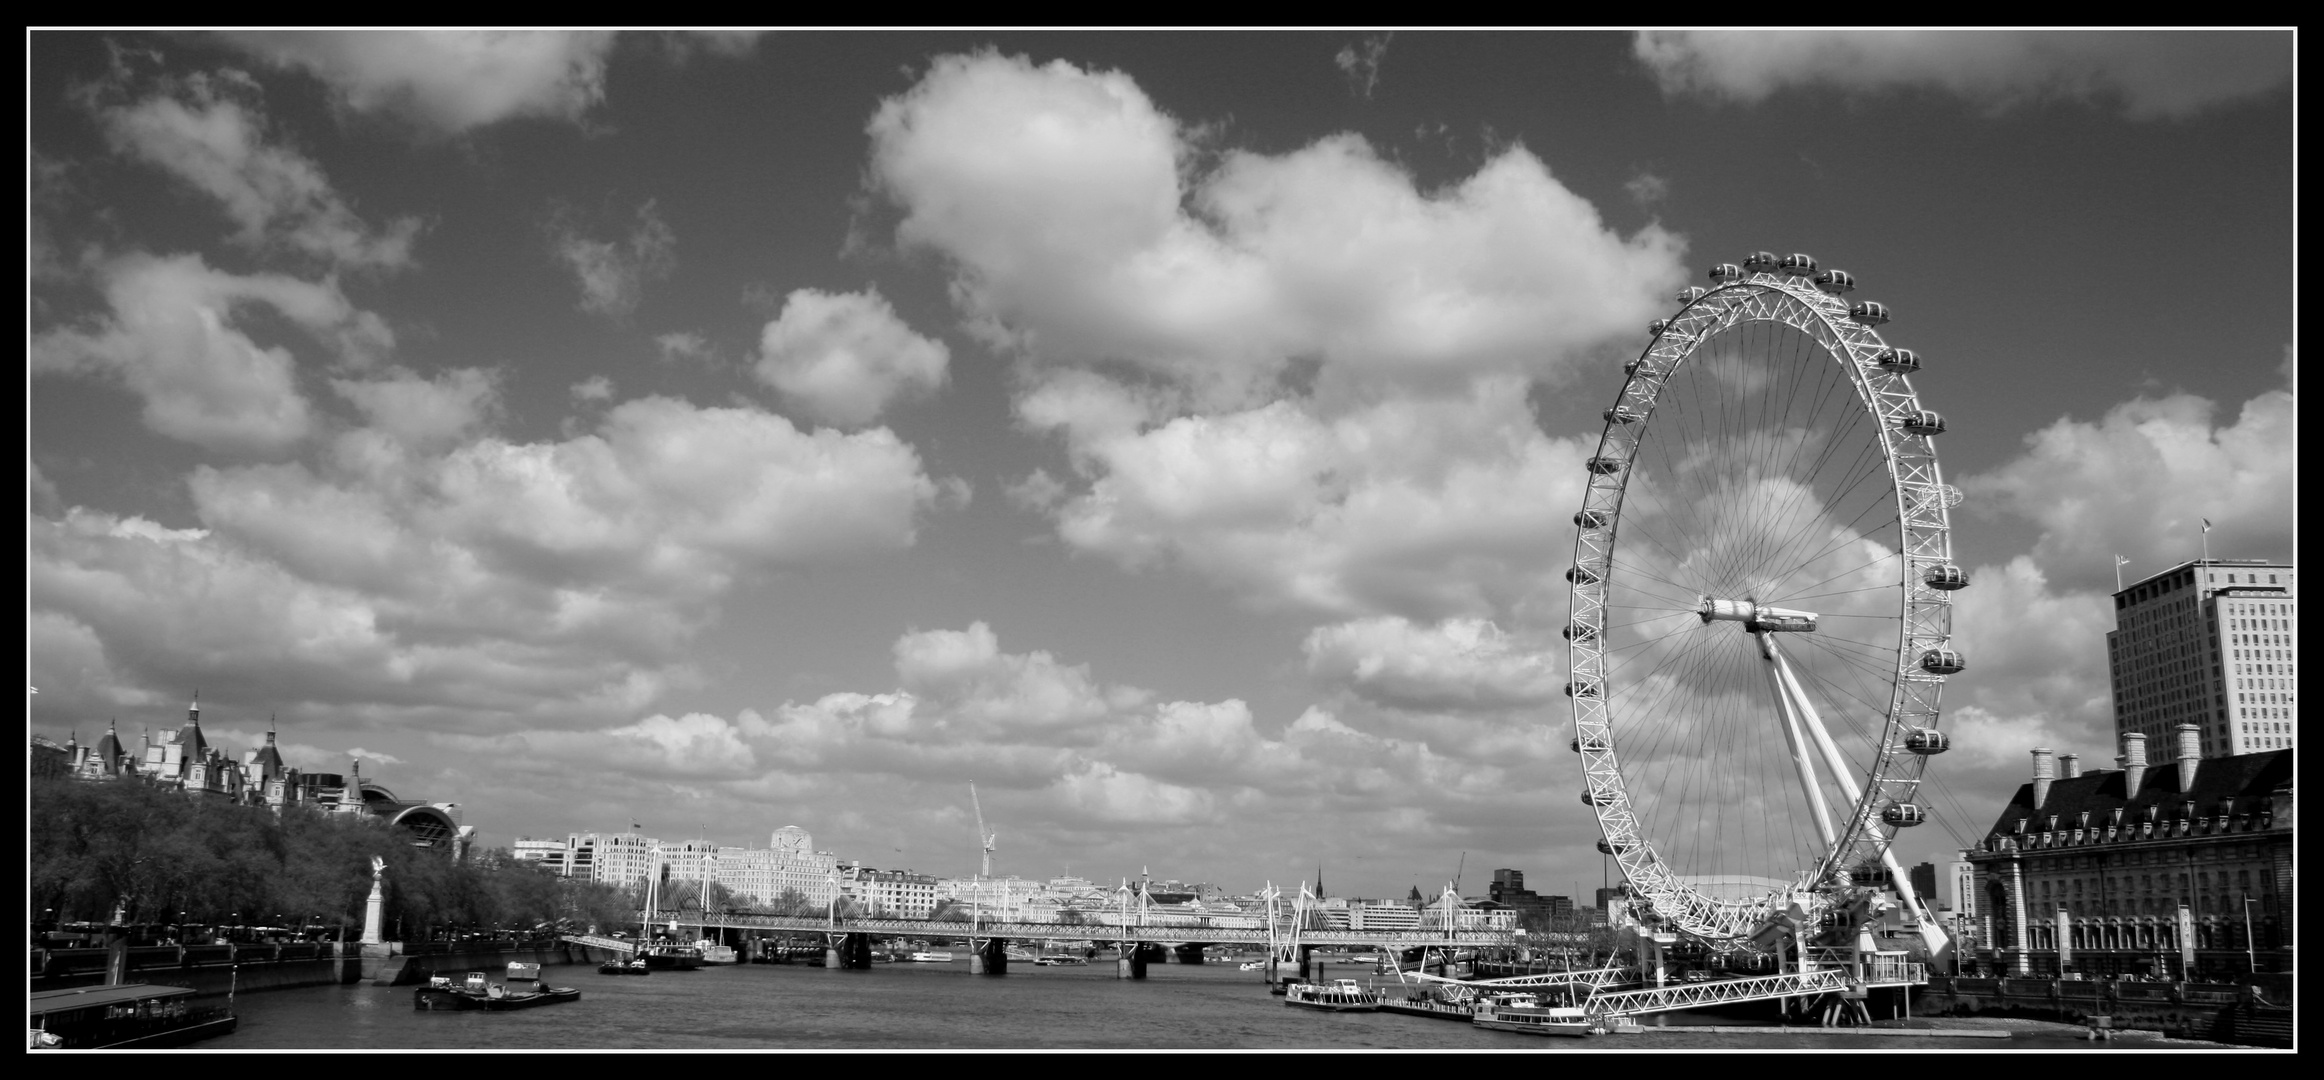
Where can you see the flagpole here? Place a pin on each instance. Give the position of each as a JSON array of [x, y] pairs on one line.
[[2118, 573]]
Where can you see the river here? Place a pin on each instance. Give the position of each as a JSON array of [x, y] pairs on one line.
[[939, 1006]]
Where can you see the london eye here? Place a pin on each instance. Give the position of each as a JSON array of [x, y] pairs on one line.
[[1762, 591]]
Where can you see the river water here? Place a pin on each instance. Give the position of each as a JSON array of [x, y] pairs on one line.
[[939, 1006]]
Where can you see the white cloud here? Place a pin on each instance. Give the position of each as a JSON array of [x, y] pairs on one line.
[[1453, 664], [2151, 73], [421, 412], [211, 134], [1411, 506], [845, 357], [1362, 66], [450, 80], [2140, 482], [1081, 229], [675, 346], [613, 273], [469, 584], [171, 334], [593, 388]]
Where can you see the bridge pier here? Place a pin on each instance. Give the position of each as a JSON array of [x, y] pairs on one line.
[[847, 952], [1130, 961], [1189, 953], [990, 957]]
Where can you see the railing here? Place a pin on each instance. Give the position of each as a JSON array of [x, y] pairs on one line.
[[2210, 993], [594, 941], [1717, 991], [1595, 979], [1054, 931]]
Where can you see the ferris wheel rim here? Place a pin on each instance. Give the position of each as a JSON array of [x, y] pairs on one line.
[[1915, 486]]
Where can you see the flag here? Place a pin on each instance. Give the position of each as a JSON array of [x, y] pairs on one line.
[[2206, 524], [2120, 561]]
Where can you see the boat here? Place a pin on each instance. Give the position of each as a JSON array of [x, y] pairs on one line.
[[714, 953], [635, 965], [1060, 960], [474, 991], [929, 958], [1525, 1013], [1443, 1002], [1252, 965], [125, 1016], [1342, 995], [671, 956]]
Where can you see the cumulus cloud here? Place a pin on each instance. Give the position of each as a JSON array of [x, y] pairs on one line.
[[448, 80], [2140, 481], [681, 345], [593, 388], [210, 133], [464, 579], [844, 358], [1080, 228], [1456, 663], [1425, 508], [613, 274], [422, 412], [2152, 74], [173, 333]]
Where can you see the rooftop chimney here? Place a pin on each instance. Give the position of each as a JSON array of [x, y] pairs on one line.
[[2190, 754], [2069, 766], [2045, 770], [2133, 764]]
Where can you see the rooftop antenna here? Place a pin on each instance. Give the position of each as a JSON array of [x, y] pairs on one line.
[[983, 835]]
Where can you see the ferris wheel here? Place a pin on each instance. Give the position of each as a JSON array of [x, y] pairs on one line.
[[1762, 615]]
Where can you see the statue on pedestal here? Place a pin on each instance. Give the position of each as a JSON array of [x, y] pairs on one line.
[[374, 908]]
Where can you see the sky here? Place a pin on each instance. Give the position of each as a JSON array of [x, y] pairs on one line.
[[1175, 434]]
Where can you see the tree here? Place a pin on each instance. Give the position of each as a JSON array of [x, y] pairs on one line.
[[1071, 916]]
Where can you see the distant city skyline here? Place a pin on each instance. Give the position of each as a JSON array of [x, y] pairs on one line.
[[1176, 434]]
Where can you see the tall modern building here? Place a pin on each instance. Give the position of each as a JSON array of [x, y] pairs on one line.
[[2210, 643]]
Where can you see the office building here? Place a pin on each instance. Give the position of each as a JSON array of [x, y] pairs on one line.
[[2213, 643]]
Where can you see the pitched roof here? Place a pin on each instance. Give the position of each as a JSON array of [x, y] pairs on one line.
[[2246, 782]]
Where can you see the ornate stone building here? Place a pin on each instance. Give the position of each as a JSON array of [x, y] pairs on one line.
[[2178, 869]]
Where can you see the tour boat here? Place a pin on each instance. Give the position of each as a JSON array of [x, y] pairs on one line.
[[127, 1016], [635, 965], [930, 958], [1060, 960], [1522, 1012], [1342, 995], [1444, 1002], [714, 953]]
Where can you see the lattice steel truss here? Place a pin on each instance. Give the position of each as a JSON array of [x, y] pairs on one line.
[[1923, 500]]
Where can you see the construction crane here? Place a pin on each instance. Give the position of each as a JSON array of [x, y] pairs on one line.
[[986, 836], [1464, 864]]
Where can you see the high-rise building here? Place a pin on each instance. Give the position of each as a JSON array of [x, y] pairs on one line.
[[2210, 643]]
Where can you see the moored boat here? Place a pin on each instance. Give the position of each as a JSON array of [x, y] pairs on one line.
[[128, 1016], [1444, 1002], [666, 956], [1341, 995], [635, 965], [1524, 1013], [1061, 960], [715, 954], [938, 957]]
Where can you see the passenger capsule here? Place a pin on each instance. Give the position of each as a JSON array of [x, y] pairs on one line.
[[1900, 361], [1946, 576], [1797, 265], [1605, 465], [1835, 281], [1657, 326], [1692, 293], [1581, 575], [1595, 798], [1904, 815], [1760, 262], [1868, 312], [1923, 423], [1579, 632], [1608, 848], [1621, 414], [1581, 689], [1942, 662], [1633, 367], [1726, 272], [1927, 741], [1593, 519]]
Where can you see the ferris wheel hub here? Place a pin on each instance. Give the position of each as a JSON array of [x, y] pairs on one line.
[[1755, 617]]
